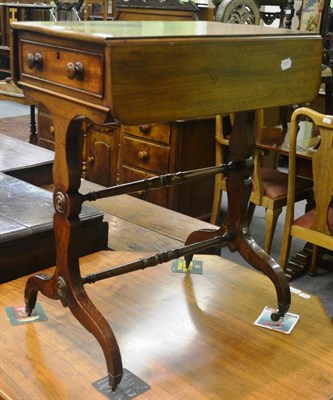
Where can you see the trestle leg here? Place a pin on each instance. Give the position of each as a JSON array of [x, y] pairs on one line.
[[239, 188], [66, 284]]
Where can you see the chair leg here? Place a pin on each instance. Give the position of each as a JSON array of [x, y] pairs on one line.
[[216, 201], [271, 220], [328, 97], [33, 134], [314, 258], [250, 212], [285, 249]]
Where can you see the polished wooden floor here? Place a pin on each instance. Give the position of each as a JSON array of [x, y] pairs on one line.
[[187, 336]]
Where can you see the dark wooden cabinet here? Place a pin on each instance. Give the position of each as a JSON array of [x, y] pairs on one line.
[[100, 153], [150, 150], [100, 148]]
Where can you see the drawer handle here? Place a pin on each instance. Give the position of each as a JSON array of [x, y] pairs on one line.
[[51, 129], [142, 155], [75, 71], [35, 60], [91, 159], [145, 128]]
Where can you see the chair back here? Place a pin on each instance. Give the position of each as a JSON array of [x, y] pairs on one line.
[[316, 225], [322, 169]]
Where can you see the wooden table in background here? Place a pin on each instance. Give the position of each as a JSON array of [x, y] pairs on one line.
[[304, 153], [25, 161], [187, 336]]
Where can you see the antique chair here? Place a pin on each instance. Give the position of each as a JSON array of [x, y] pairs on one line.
[[315, 226], [89, 9], [249, 12], [269, 184], [67, 10]]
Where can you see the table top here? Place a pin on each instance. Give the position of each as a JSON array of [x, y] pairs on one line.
[[168, 70], [187, 336], [104, 30]]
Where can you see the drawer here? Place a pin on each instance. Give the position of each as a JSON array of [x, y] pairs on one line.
[[62, 66], [156, 132], [146, 155], [156, 196]]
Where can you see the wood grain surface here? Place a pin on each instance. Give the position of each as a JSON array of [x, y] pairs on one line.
[[187, 336]]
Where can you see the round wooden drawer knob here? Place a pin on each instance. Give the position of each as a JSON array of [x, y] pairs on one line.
[[35, 60], [75, 71], [142, 155], [145, 128], [51, 129], [91, 159]]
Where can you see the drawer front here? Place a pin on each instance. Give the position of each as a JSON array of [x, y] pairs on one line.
[[46, 132], [158, 196], [156, 132], [45, 126], [102, 153], [146, 155], [61, 66]]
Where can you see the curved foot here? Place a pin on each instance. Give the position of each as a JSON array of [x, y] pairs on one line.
[[199, 236], [39, 282], [256, 256], [276, 316], [87, 314]]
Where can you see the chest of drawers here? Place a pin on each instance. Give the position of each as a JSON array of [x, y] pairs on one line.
[[150, 150]]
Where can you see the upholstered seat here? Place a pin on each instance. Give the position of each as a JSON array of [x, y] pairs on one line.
[[270, 186], [275, 183], [308, 220]]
